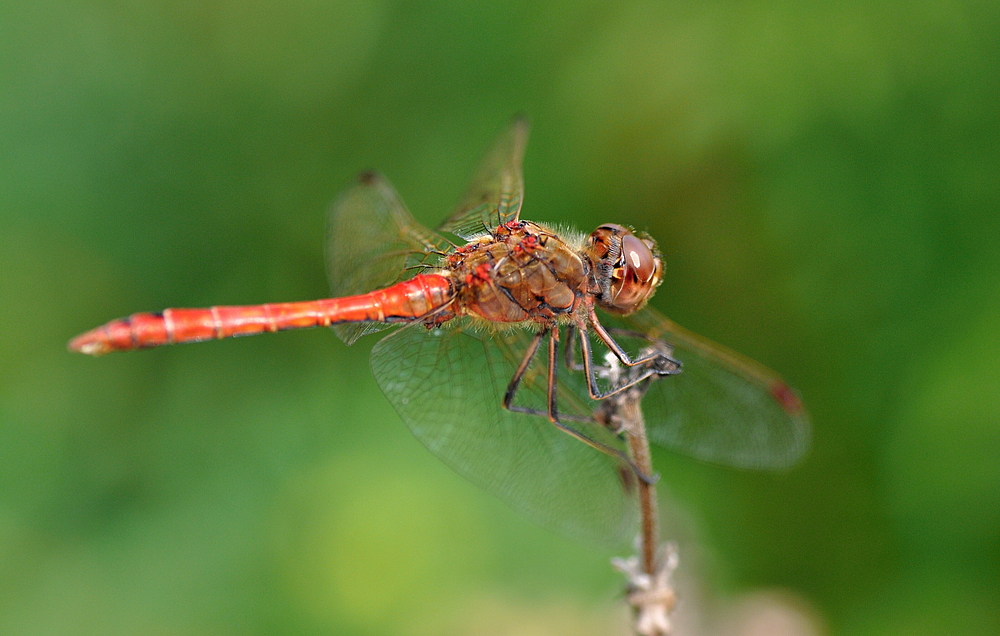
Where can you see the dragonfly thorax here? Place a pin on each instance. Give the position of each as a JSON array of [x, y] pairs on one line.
[[521, 271], [626, 268]]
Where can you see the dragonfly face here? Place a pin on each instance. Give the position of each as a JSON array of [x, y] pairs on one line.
[[627, 269]]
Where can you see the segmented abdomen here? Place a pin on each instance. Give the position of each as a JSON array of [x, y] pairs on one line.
[[409, 300]]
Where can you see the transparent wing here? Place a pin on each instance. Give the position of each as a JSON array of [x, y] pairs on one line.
[[497, 190], [447, 385], [723, 407], [372, 242]]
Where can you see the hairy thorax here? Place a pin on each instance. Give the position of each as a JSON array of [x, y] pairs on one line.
[[521, 271]]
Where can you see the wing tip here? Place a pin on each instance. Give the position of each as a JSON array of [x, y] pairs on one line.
[[368, 177], [787, 398]]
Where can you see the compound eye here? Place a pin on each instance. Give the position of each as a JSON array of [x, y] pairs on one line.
[[635, 277], [626, 268], [637, 259]]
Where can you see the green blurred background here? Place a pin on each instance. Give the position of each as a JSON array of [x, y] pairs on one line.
[[823, 180]]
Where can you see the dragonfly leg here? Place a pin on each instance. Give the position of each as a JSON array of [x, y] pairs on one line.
[[553, 368], [655, 364], [570, 353], [515, 382], [551, 393], [656, 357], [615, 348], [571, 333]]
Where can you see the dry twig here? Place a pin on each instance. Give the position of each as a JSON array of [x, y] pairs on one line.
[[650, 590]]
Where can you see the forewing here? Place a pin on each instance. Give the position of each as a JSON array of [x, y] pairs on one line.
[[373, 242], [447, 385], [497, 190], [722, 407]]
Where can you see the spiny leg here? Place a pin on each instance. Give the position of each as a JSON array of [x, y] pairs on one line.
[[571, 332], [551, 395], [553, 368], [515, 382], [654, 364], [554, 416], [605, 336], [615, 348], [570, 355]]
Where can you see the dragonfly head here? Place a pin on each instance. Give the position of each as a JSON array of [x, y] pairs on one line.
[[627, 268]]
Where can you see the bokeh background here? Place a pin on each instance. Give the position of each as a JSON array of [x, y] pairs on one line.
[[823, 180]]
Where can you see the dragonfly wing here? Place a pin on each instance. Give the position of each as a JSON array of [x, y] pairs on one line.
[[497, 190], [722, 407], [447, 385], [373, 241]]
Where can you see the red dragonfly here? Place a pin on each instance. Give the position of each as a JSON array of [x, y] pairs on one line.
[[463, 369]]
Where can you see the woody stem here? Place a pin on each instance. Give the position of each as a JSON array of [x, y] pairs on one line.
[[631, 413]]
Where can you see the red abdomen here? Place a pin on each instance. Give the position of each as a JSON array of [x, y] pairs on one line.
[[409, 300]]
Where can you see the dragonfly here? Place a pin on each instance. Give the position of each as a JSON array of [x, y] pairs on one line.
[[504, 330]]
